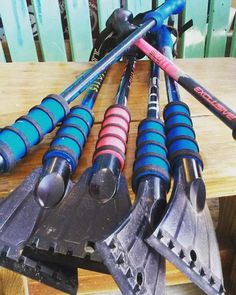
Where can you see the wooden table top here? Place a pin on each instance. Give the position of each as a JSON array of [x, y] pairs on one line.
[[23, 85]]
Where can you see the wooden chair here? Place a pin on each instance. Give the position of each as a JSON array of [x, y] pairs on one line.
[[208, 36]]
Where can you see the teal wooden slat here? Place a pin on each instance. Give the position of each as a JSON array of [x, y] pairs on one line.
[[159, 2], [105, 8], [17, 27], [193, 40], [80, 31], [2, 56], [217, 28], [233, 44], [48, 20], [138, 6]]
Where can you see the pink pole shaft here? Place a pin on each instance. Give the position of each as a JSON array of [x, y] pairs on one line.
[[164, 63], [218, 108]]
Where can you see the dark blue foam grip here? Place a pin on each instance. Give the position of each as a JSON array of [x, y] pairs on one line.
[[27, 131], [151, 153], [181, 139], [72, 136], [164, 11]]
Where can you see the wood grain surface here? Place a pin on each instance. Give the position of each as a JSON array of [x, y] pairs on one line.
[[23, 85]]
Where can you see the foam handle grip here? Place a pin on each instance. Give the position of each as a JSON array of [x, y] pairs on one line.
[[113, 136], [151, 153], [181, 139], [72, 136], [27, 131], [164, 11]]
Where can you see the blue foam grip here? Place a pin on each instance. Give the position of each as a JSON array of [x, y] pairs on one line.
[[151, 153], [181, 139], [164, 11], [27, 131], [174, 107], [165, 38], [149, 136], [71, 137]]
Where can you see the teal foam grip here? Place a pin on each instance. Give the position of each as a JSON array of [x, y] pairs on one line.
[[72, 136], [151, 153], [181, 138], [27, 131]]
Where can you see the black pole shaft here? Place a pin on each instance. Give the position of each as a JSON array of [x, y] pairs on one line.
[[88, 77], [154, 88], [124, 86]]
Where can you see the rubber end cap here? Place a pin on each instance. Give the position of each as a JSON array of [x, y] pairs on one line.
[[50, 190], [103, 185], [197, 194]]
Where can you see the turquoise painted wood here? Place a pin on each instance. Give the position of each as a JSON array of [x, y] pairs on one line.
[[80, 32], [18, 30], [2, 56], [48, 20], [193, 40], [138, 6], [233, 45], [201, 40], [105, 9], [159, 2], [217, 28]]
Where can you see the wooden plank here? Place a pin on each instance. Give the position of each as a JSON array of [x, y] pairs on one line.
[[193, 40], [48, 20], [217, 28], [16, 23], [187, 289], [233, 44], [219, 175], [138, 6], [105, 8], [159, 2], [2, 55], [38, 49], [219, 172], [80, 32], [97, 283], [227, 226], [12, 283], [233, 276]]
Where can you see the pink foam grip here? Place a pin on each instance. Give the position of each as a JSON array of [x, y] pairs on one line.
[[113, 136], [109, 129], [120, 111], [117, 121], [111, 140]]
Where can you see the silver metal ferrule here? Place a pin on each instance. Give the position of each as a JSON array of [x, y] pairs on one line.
[[2, 164]]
